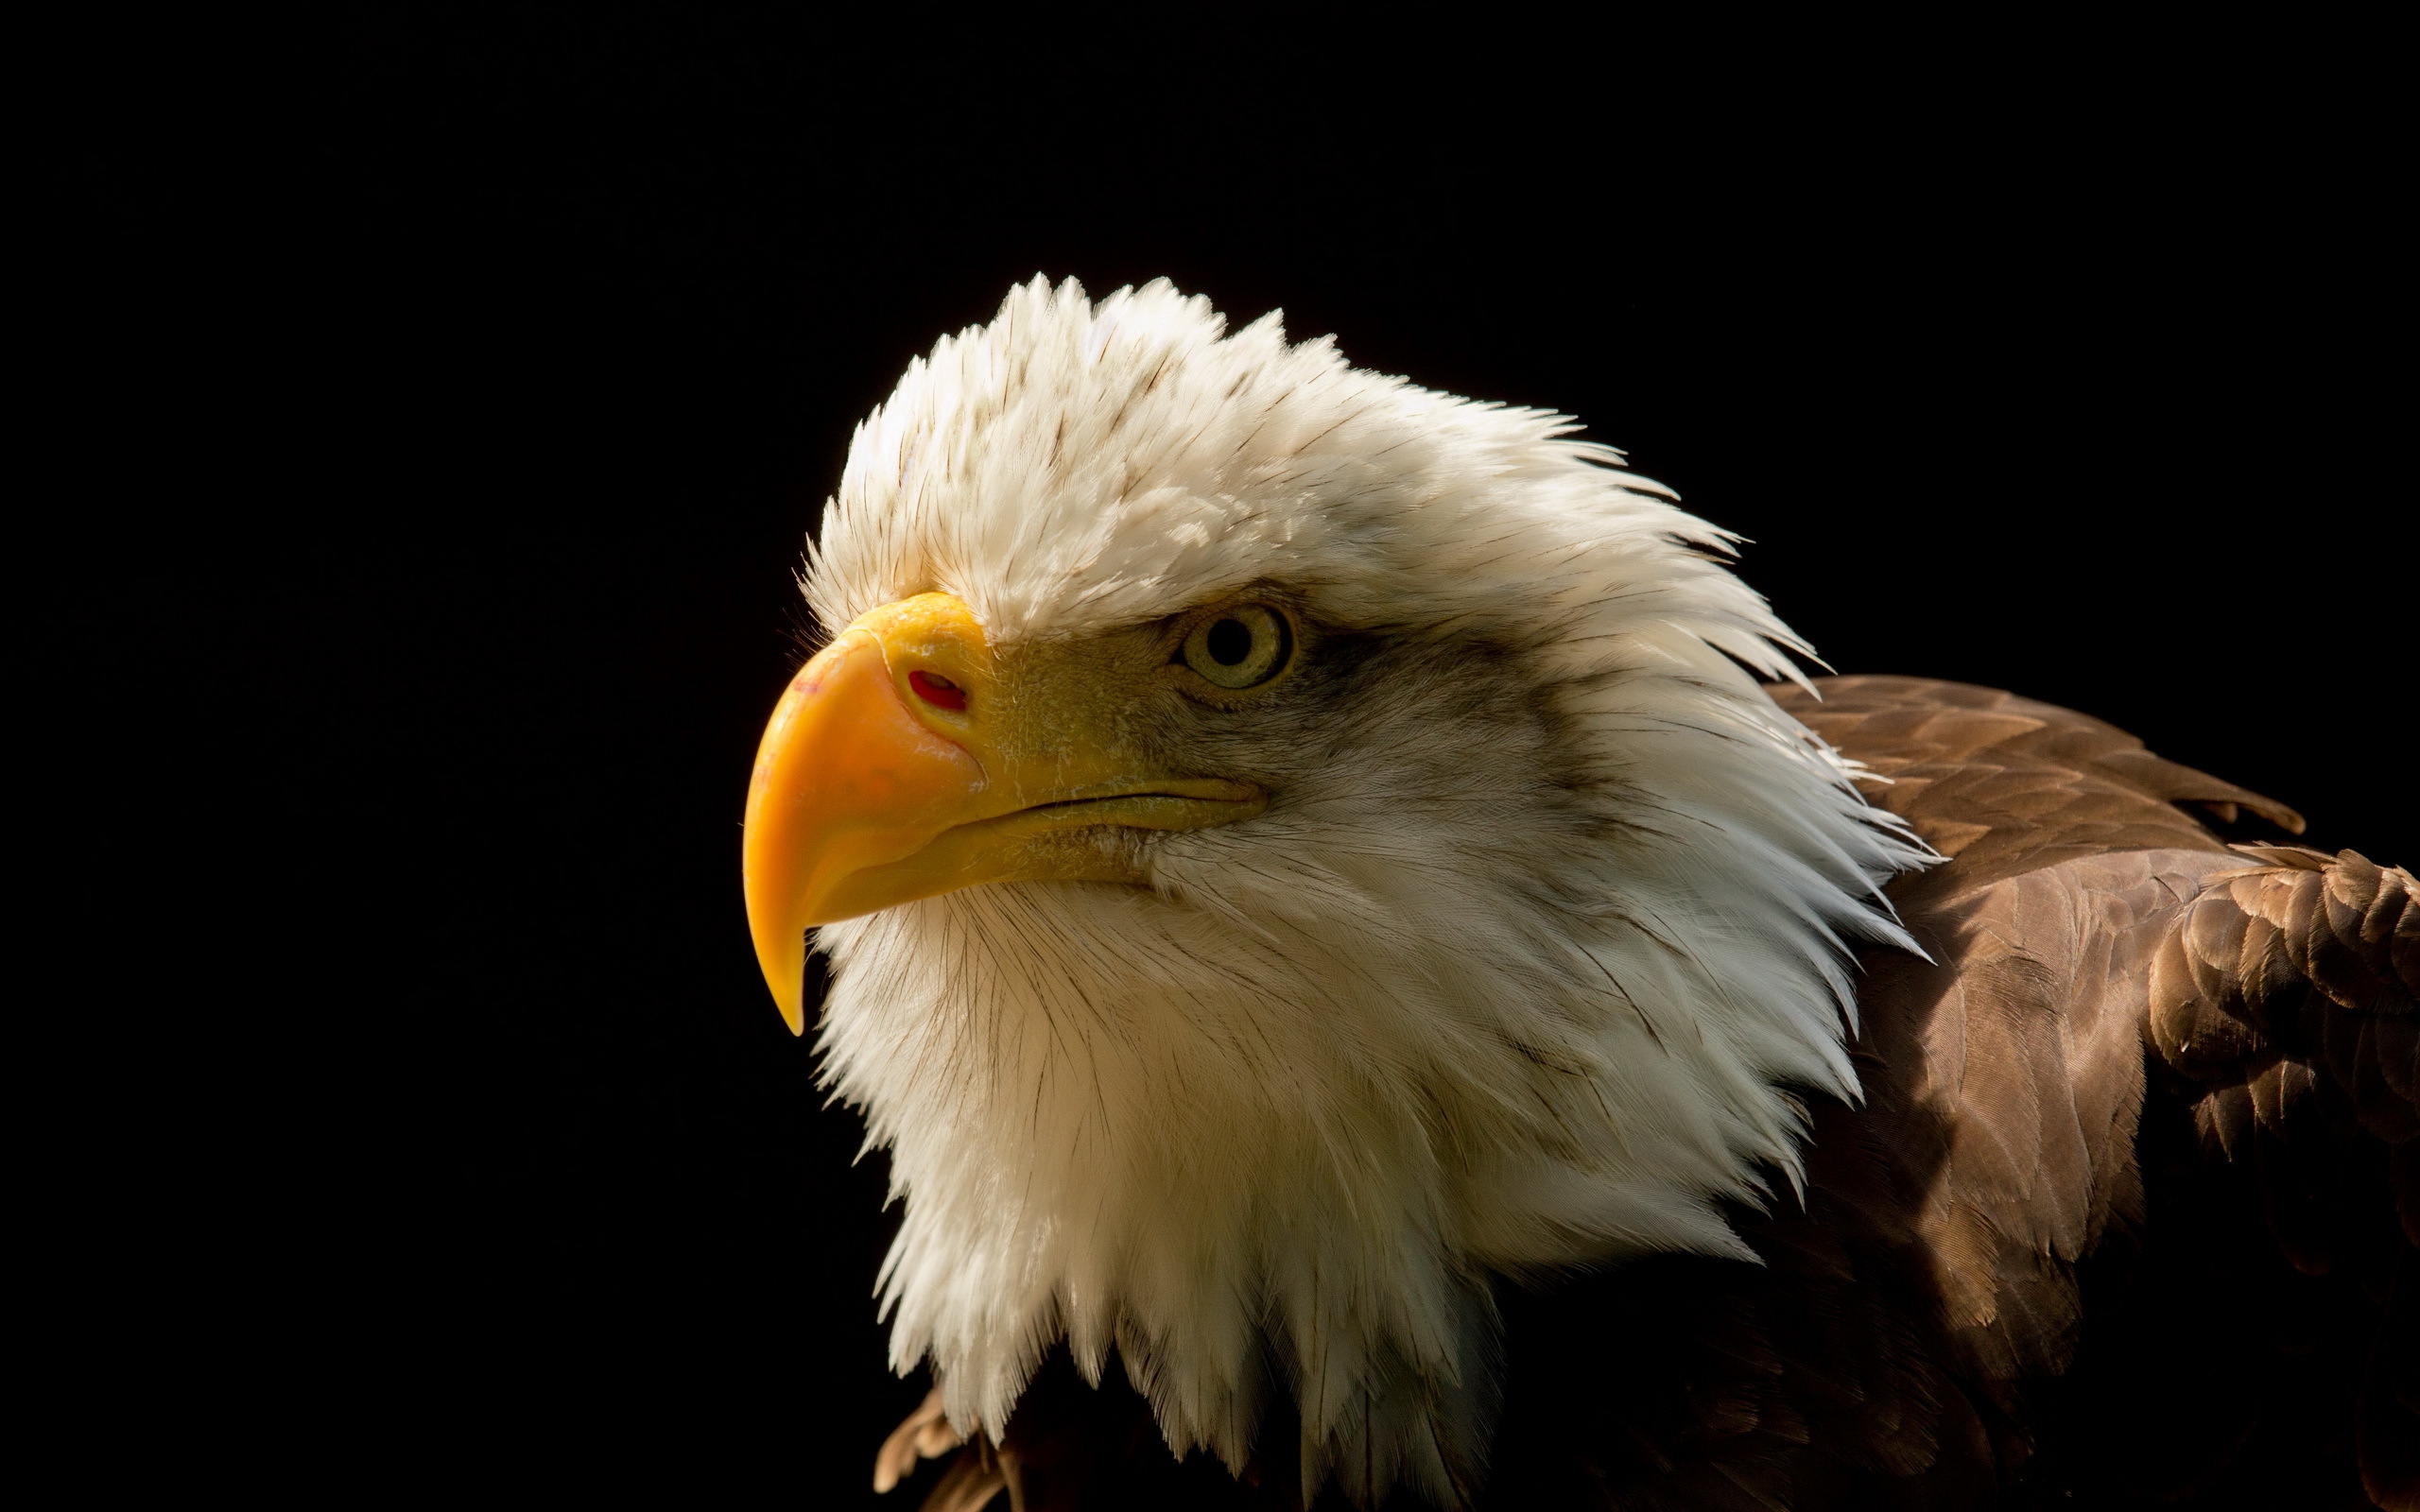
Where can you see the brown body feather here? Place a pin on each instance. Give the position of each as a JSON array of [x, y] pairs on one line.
[[2128, 1217]]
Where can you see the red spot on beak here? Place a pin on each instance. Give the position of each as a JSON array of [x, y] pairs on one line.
[[938, 691]]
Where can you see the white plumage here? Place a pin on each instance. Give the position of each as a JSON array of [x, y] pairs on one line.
[[1550, 901]]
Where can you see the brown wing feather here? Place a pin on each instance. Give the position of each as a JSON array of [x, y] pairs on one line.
[[2005, 784], [2284, 1004], [1913, 1337]]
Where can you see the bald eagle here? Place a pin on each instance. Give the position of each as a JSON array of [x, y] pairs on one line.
[[1382, 983]]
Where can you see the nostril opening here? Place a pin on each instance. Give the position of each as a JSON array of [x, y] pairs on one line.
[[938, 691]]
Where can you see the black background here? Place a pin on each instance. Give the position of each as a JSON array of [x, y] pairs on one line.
[[486, 370]]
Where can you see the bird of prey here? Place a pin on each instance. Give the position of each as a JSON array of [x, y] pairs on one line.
[[1382, 985]]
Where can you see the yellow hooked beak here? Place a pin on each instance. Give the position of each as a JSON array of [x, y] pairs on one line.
[[905, 762]]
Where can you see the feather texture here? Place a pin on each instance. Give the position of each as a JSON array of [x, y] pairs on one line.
[[1526, 1023], [2025, 1273], [1550, 908]]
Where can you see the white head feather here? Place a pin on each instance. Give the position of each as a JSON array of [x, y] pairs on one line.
[[1550, 905]]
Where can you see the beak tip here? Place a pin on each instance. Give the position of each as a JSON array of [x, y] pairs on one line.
[[788, 981]]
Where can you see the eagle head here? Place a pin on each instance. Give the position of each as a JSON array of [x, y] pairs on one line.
[[1294, 848]]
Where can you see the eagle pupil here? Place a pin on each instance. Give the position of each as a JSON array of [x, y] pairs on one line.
[[1229, 642]]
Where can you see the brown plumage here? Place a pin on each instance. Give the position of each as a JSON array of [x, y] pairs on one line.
[[2128, 1217]]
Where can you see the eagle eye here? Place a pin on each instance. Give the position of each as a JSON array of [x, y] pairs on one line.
[[1239, 648]]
